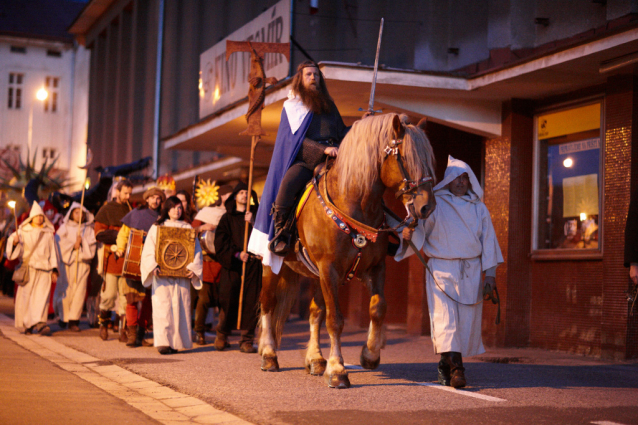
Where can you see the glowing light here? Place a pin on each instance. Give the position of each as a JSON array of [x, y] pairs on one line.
[[216, 95], [568, 162], [583, 216], [87, 183], [42, 94], [12, 204]]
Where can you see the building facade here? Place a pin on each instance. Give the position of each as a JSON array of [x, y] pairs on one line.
[[538, 97], [36, 56]]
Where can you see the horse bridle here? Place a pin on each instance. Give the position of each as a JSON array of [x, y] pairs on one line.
[[407, 187]]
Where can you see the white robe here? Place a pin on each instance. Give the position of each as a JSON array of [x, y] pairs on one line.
[[32, 299], [68, 299], [171, 296], [460, 240]]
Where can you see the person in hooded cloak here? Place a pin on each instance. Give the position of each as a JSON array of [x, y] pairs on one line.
[[34, 245], [76, 249], [229, 245], [170, 295], [459, 239]]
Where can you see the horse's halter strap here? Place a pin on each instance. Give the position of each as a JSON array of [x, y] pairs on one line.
[[407, 186]]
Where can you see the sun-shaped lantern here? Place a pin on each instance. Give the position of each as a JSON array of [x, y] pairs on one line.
[[206, 193]]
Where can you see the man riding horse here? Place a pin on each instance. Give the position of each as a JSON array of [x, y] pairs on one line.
[[311, 128]]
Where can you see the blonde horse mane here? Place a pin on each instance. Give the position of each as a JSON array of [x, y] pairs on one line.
[[362, 152]]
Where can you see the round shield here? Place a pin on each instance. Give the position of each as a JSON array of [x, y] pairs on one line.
[[175, 255]]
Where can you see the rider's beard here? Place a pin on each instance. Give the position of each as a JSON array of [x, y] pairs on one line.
[[317, 101]]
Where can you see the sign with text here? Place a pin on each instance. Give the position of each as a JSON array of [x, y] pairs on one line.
[[222, 82]]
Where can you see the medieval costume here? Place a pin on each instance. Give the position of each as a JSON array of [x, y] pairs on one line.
[[36, 250], [461, 244], [141, 218], [206, 298], [74, 266], [107, 225], [170, 295], [229, 243], [301, 140]]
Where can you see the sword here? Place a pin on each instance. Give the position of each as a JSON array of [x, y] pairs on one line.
[[374, 77]]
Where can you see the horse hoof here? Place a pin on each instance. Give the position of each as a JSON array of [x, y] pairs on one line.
[[338, 381], [269, 364], [316, 367], [365, 362]]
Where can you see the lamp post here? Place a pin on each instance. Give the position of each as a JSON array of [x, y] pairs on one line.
[[41, 95]]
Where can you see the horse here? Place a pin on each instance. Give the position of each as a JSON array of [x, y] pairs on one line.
[[342, 226]]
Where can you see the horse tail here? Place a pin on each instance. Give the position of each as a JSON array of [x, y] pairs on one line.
[[286, 293]]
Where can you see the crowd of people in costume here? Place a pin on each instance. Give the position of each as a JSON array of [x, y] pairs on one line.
[[53, 270]]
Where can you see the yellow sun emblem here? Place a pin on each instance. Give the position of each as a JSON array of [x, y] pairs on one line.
[[206, 193]]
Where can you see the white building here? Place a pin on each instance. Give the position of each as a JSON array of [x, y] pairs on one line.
[[35, 56]]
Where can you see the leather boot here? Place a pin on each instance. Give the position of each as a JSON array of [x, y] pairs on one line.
[[201, 338], [74, 325], [457, 371], [221, 342], [122, 327], [132, 336], [104, 320], [444, 369], [280, 245]]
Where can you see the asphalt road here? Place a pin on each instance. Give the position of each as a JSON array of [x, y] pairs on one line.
[[506, 386]]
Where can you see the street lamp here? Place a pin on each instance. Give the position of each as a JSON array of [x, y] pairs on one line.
[[41, 95]]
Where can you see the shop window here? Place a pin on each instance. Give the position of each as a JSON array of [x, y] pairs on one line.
[[568, 181]]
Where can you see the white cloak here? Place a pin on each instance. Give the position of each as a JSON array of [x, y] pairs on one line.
[[68, 298], [171, 297], [460, 241], [32, 299]]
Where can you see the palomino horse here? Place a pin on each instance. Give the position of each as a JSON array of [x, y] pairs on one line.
[[341, 232]]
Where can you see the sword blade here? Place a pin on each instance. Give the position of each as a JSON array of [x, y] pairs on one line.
[[376, 68]]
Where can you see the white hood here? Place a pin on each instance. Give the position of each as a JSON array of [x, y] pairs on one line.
[[67, 217], [456, 167], [36, 210]]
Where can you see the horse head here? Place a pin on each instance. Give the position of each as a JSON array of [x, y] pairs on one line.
[[408, 168]]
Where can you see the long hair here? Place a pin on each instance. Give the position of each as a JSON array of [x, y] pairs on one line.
[[317, 102], [361, 153], [171, 202], [189, 211]]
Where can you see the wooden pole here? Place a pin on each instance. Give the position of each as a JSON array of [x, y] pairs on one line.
[[253, 145], [77, 253]]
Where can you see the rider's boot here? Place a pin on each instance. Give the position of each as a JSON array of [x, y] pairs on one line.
[[444, 369], [280, 245], [457, 371]]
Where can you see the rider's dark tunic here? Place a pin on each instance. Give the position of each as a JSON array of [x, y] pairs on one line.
[[324, 130]]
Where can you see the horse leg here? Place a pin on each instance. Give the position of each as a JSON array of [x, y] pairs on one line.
[[371, 350], [335, 374], [267, 340], [315, 363]]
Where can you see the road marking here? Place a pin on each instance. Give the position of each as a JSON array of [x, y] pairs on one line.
[[352, 366], [157, 401], [606, 423], [461, 392]]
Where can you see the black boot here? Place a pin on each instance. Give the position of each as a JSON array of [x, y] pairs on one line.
[[280, 245], [457, 371], [444, 369]]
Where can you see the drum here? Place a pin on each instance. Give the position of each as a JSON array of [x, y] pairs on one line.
[[207, 242], [133, 256]]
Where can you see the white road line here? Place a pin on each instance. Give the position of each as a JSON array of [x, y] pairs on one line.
[[352, 366], [157, 401], [461, 392], [606, 423]]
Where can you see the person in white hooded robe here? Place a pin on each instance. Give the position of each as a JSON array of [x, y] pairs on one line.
[[461, 244], [76, 249], [171, 295], [34, 245]]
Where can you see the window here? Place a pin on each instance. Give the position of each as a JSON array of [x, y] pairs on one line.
[[49, 153], [54, 53], [568, 182], [14, 98], [51, 102], [18, 49]]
